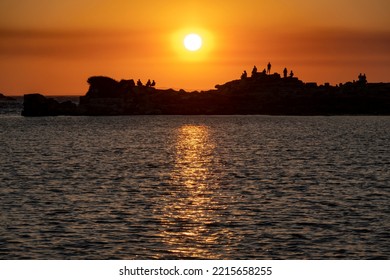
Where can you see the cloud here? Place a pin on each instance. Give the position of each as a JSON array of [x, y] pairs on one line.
[[74, 44], [338, 43]]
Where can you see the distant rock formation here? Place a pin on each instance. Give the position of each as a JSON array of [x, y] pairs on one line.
[[101, 86], [38, 105], [9, 105], [6, 98], [261, 93]]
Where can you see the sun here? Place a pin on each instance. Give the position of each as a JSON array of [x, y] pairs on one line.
[[192, 42]]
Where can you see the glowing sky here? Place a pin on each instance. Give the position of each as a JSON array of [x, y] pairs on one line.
[[52, 47]]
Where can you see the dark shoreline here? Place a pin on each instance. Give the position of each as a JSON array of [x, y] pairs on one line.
[[260, 94]]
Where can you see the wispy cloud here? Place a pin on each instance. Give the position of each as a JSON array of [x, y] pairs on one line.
[[74, 44]]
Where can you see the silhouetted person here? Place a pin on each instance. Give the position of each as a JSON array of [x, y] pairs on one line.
[[244, 75], [148, 83], [254, 71], [362, 79], [285, 73], [291, 74], [264, 71], [153, 83], [139, 83], [269, 68]]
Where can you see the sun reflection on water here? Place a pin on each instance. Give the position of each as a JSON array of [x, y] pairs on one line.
[[191, 214]]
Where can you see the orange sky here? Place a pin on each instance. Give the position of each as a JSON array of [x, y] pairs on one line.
[[52, 47]]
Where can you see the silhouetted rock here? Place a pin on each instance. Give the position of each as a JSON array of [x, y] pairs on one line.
[[106, 96], [261, 93], [126, 85], [6, 98], [100, 86], [9, 105], [36, 104]]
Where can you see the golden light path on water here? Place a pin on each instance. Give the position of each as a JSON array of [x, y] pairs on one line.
[[192, 212]]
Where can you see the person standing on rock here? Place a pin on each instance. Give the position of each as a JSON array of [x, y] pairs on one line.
[[285, 73], [269, 68]]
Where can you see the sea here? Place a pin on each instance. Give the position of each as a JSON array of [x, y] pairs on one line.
[[194, 187]]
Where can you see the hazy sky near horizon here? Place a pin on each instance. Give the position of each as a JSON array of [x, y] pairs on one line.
[[52, 47]]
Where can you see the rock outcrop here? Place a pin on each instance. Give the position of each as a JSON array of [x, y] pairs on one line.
[[259, 94], [6, 98], [38, 105]]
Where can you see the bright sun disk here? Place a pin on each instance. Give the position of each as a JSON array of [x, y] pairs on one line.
[[192, 42]]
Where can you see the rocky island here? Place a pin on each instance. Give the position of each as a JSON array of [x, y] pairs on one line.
[[261, 93], [9, 104], [4, 98]]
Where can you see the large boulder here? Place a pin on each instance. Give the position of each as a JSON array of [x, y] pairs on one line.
[[106, 96], [36, 104], [101, 86]]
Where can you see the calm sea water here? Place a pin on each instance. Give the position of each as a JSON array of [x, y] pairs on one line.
[[203, 187]]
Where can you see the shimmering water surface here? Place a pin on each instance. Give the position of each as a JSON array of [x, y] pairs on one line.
[[204, 187]]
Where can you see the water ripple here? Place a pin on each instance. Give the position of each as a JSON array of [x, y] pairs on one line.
[[194, 187]]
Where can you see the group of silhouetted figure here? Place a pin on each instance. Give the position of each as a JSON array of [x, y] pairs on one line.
[[265, 71], [148, 83], [285, 73], [362, 78]]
